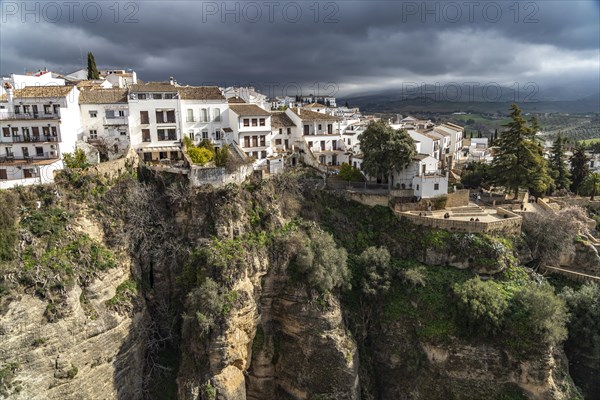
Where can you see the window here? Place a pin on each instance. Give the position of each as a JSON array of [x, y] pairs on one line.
[[145, 135], [53, 131], [39, 151], [160, 117], [36, 131], [263, 154], [333, 145], [322, 145], [263, 140], [436, 186], [218, 134], [169, 96], [25, 131], [190, 115], [306, 129], [310, 144], [254, 141], [246, 122], [204, 115], [157, 96], [171, 116], [320, 127], [277, 141], [120, 113], [329, 129], [123, 133], [254, 122], [93, 113], [3, 175], [34, 108], [417, 187], [17, 109], [281, 131], [93, 134], [147, 157], [246, 141], [47, 109], [286, 144], [6, 132], [26, 109], [144, 119], [109, 114], [142, 96], [262, 122], [289, 131], [217, 114], [25, 151], [205, 134], [56, 108]]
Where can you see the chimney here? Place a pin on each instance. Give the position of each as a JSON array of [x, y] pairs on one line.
[[171, 81], [9, 95], [298, 110]]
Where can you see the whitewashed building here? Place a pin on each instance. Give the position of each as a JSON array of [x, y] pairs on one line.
[[251, 129], [105, 121], [154, 121], [423, 176], [38, 124], [204, 114]]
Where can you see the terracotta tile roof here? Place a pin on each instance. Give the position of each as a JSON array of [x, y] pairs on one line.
[[235, 100], [248, 109], [200, 93], [153, 87], [307, 115], [89, 84], [316, 105], [280, 120], [40, 92], [103, 96]]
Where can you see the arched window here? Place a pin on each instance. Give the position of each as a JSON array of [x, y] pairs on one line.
[[204, 115]]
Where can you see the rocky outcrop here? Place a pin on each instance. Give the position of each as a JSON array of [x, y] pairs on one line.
[[92, 352], [407, 368], [583, 258]]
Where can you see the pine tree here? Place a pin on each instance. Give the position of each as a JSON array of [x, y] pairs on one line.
[[347, 105], [579, 168], [92, 69], [558, 164], [518, 161]]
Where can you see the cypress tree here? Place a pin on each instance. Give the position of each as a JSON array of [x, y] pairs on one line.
[[558, 164], [92, 69], [579, 168]]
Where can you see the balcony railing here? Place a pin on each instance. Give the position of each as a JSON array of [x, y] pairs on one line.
[[27, 116], [48, 155], [29, 139], [116, 121]]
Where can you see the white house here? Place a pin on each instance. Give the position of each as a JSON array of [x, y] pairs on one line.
[[104, 121], [41, 78], [321, 135], [423, 176], [251, 129], [38, 124], [204, 113], [154, 121]]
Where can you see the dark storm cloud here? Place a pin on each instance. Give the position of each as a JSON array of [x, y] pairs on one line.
[[356, 45]]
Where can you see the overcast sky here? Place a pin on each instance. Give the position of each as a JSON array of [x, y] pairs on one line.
[[338, 47]]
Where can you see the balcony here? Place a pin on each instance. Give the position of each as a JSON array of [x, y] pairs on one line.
[[48, 155], [29, 116], [115, 121], [30, 139]]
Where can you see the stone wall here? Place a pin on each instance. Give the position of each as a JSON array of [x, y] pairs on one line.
[[113, 169], [368, 199], [507, 226], [458, 198], [218, 176]]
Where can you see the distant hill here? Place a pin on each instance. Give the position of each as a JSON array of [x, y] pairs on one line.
[[476, 100]]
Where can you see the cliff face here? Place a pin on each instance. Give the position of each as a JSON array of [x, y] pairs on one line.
[[264, 334]]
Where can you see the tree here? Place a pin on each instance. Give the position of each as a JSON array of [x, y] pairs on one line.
[[91, 67], [350, 173], [518, 160], [579, 168], [482, 305], [347, 105], [591, 185], [584, 325], [322, 264], [385, 150], [200, 155], [558, 164], [222, 156], [78, 159], [376, 265], [476, 174]]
